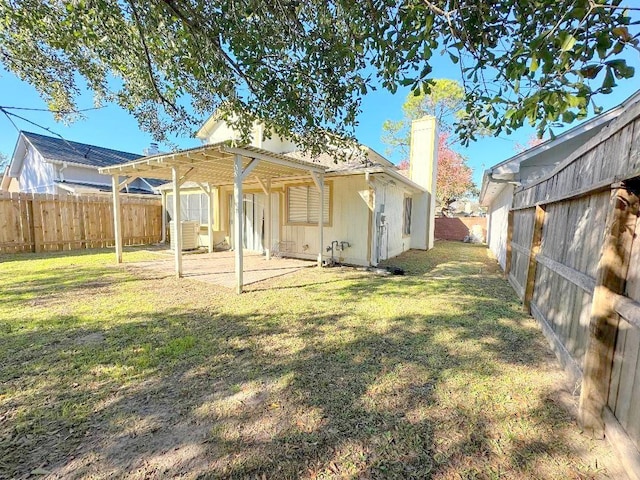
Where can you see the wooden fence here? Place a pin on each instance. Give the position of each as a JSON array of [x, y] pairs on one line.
[[43, 223], [573, 256]]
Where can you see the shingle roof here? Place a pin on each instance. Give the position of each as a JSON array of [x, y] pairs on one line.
[[102, 188], [336, 164], [57, 149]]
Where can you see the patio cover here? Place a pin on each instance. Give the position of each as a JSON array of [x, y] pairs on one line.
[[212, 166]]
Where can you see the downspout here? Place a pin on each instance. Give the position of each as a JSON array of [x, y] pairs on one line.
[[60, 171]]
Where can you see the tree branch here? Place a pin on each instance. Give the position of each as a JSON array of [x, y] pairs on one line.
[[147, 55]]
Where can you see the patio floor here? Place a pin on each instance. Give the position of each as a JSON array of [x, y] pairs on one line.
[[219, 267]]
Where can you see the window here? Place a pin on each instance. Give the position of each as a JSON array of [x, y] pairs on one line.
[[303, 204], [406, 224], [193, 206]]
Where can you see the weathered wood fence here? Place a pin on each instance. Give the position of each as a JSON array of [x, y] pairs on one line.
[[42, 223], [573, 256]]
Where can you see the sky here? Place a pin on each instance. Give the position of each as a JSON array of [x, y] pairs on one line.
[[113, 127]]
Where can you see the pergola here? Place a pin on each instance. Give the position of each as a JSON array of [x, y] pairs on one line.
[[212, 166]]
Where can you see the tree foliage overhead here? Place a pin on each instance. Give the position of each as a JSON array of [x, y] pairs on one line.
[[303, 66]]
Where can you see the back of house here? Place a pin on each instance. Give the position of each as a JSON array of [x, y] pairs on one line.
[[372, 211]]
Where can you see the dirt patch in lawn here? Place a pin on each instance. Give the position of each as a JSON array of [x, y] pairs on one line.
[[331, 373]]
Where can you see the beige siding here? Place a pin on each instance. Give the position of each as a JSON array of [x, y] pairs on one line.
[[349, 223]]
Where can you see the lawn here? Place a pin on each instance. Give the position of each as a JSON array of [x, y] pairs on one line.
[[333, 373]]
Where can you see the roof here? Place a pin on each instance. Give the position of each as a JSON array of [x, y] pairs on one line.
[[81, 187], [548, 153], [61, 150]]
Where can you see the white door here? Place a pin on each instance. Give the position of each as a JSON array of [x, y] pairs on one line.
[[253, 221]]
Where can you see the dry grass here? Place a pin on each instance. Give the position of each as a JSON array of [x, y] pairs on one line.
[[111, 372]]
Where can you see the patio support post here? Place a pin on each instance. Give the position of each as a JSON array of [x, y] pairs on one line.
[[318, 179], [266, 188], [117, 217], [163, 238], [177, 221], [267, 221], [210, 222], [321, 220], [237, 221]]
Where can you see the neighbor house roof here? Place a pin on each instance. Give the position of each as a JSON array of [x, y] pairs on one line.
[[547, 154], [67, 152], [61, 150], [90, 188]]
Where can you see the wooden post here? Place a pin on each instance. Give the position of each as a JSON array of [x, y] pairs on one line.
[[36, 221], [210, 222], [318, 179], [267, 220], [177, 221], [321, 220], [610, 280], [117, 217], [536, 238], [238, 214], [507, 265], [163, 195]]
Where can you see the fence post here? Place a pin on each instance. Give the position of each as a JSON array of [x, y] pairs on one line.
[[610, 279], [536, 239], [36, 223], [507, 264]]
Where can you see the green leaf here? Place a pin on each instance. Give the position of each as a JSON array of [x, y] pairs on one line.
[[567, 42], [609, 81]]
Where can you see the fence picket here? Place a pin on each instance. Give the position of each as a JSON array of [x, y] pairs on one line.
[[39, 222]]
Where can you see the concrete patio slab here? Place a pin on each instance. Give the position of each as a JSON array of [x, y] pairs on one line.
[[219, 268]]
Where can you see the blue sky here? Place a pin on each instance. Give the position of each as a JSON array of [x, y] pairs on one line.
[[113, 127]]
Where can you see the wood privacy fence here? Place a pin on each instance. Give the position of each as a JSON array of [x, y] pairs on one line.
[[573, 256], [43, 223]]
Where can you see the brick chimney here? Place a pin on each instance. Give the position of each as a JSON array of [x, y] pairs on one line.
[[423, 170]]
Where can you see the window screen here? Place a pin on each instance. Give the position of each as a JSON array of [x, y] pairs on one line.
[[193, 206], [303, 204], [406, 224]]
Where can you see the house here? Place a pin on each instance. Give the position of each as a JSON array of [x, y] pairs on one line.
[[500, 181], [371, 210], [7, 184], [43, 164]]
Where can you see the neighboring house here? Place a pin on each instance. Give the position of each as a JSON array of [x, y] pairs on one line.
[[466, 208], [500, 181], [7, 184], [371, 211], [43, 164]]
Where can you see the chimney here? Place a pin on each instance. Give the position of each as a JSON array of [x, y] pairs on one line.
[[423, 169], [152, 149]]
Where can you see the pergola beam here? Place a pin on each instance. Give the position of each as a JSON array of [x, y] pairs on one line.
[[271, 159], [126, 182], [249, 168]]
